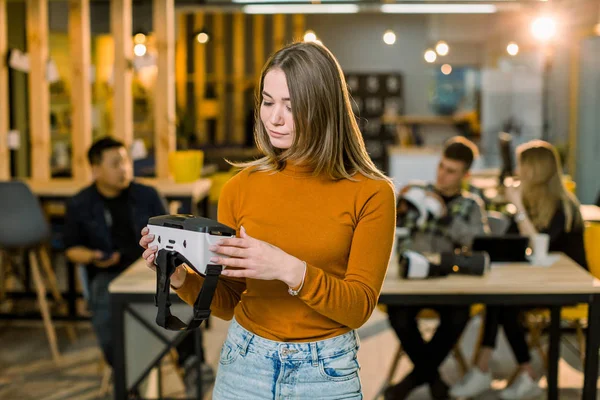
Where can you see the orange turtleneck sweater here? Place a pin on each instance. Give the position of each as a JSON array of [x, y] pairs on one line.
[[344, 230]]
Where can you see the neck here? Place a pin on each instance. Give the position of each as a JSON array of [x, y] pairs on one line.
[[107, 191], [449, 192]]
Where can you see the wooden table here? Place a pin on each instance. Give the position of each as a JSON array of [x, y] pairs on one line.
[[189, 194], [590, 212], [561, 284], [137, 351]]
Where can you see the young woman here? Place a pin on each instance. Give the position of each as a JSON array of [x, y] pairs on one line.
[[543, 206], [316, 223]]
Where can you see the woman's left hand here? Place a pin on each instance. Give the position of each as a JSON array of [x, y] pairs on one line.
[[513, 195], [253, 258]]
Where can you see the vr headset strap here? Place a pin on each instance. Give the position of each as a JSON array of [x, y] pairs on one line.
[[166, 263]]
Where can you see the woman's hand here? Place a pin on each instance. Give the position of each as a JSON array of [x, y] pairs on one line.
[[513, 195], [253, 258], [149, 254]]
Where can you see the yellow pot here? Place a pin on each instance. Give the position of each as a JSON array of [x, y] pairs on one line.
[[186, 166]]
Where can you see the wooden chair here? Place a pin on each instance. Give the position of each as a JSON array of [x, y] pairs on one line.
[[24, 228]]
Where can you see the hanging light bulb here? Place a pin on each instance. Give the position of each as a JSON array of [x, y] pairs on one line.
[[430, 56], [139, 49], [442, 48], [512, 49], [310, 36], [446, 69], [389, 37], [543, 28]]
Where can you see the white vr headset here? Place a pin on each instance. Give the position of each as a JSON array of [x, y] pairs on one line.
[[185, 239], [425, 205], [414, 265]]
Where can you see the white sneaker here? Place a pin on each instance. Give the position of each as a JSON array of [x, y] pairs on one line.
[[523, 387], [472, 384]]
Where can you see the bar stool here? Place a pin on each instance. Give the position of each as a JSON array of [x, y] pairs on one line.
[[25, 228]]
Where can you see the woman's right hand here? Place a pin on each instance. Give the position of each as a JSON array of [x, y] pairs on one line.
[[149, 255]]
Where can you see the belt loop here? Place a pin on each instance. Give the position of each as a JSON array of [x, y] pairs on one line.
[[246, 343], [357, 339], [315, 355]]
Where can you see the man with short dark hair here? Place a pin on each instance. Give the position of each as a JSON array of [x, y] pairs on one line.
[[447, 219], [103, 227]]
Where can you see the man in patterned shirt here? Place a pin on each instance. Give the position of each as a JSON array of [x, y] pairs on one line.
[[447, 219]]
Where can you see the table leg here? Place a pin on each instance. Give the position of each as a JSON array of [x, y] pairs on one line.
[[592, 346], [554, 353], [119, 372]]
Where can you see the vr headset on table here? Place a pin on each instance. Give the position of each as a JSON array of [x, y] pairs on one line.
[[185, 239], [414, 265]]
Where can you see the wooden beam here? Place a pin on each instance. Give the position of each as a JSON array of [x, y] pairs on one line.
[[4, 97], [258, 41], [81, 91], [181, 60], [164, 96], [39, 93], [219, 55], [299, 27], [122, 71], [239, 66], [200, 81], [278, 31]]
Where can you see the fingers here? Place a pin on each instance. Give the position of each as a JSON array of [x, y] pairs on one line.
[[235, 242], [150, 252], [230, 251], [145, 231], [145, 240], [230, 262], [238, 273]]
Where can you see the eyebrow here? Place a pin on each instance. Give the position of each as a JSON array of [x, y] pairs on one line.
[[268, 95]]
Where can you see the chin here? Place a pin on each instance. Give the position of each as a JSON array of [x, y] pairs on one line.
[[281, 143]]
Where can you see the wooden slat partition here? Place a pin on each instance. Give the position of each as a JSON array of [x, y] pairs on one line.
[[299, 26], [239, 65], [164, 97], [219, 57], [122, 72], [4, 96], [181, 55], [39, 93], [278, 31], [200, 80], [81, 91], [258, 41]]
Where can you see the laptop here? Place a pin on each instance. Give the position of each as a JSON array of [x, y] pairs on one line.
[[503, 248]]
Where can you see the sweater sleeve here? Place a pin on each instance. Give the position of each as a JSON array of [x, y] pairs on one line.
[[351, 300], [229, 290]]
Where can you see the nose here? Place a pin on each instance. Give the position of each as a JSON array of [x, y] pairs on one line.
[[276, 117]]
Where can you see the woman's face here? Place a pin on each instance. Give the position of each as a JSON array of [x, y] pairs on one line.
[[276, 110]]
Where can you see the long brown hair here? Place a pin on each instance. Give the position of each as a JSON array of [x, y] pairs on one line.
[[542, 186], [327, 137]]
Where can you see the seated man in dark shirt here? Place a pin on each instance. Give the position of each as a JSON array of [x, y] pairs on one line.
[[103, 225]]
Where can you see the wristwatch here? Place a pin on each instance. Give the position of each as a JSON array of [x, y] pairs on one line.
[[520, 216]]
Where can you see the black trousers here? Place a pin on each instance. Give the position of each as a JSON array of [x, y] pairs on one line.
[[509, 318], [427, 356]]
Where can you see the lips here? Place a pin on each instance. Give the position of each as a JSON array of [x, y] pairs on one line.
[[277, 134]]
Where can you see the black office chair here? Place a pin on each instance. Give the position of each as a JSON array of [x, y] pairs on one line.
[[24, 228]]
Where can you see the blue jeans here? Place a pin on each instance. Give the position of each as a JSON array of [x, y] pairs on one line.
[[251, 368], [99, 305]]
